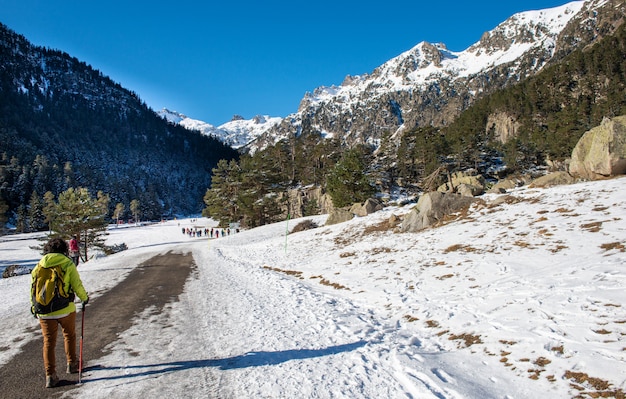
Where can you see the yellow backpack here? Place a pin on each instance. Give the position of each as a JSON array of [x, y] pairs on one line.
[[47, 290]]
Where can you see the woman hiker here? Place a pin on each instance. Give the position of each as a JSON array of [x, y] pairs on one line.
[[62, 313]]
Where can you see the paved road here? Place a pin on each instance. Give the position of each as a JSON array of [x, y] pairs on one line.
[[156, 282]]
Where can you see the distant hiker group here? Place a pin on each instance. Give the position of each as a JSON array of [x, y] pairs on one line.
[[206, 232]]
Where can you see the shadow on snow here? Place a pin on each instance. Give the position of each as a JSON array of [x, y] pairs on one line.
[[250, 359]]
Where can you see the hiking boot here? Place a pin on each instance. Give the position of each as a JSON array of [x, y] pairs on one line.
[[72, 368], [52, 381]]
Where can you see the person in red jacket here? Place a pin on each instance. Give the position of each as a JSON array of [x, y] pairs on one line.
[[56, 255], [74, 250]]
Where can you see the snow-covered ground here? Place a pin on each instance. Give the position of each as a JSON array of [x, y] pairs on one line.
[[525, 299]]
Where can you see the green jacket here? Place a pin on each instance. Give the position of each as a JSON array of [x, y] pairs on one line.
[[71, 280]]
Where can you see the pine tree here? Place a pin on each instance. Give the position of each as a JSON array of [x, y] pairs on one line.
[[21, 222], [3, 215], [76, 213], [347, 182], [134, 208], [118, 212], [221, 199], [36, 218]]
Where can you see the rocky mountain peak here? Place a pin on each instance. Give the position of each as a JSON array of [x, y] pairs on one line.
[[431, 85], [529, 27], [420, 57]]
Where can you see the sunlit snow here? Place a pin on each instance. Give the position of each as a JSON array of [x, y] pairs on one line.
[[509, 301]]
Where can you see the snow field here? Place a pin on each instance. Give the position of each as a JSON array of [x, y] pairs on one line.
[[516, 300]]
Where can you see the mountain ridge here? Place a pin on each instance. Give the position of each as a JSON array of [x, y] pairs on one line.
[[236, 133], [429, 85]]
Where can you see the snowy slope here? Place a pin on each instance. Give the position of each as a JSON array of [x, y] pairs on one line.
[[525, 299]]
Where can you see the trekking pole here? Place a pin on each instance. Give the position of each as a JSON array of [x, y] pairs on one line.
[[80, 345]]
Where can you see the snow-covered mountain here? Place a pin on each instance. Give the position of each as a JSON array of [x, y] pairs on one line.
[[430, 85], [236, 133]]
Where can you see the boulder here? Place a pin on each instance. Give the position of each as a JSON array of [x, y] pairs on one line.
[[432, 207], [339, 215], [465, 184], [601, 151], [552, 179], [504, 185], [15, 270], [371, 205], [468, 190]]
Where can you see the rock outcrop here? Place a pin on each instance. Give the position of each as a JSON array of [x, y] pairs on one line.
[[339, 215], [465, 184], [308, 197], [369, 206], [601, 152], [552, 179], [432, 208]]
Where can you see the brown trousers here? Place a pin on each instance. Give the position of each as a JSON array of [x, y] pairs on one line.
[[49, 329]]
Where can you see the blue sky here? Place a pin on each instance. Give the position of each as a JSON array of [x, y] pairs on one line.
[[211, 60]]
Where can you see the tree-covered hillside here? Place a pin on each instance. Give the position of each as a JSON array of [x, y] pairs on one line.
[[552, 110], [63, 124]]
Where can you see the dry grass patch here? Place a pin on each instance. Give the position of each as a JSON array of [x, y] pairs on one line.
[[410, 318], [288, 272], [379, 227], [463, 213], [558, 248], [542, 361], [336, 286], [468, 339], [460, 247], [592, 227], [350, 236], [592, 387], [381, 250], [558, 349], [347, 254], [432, 324], [613, 245], [545, 232], [445, 276]]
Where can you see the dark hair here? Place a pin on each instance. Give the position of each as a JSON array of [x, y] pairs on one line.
[[55, 245]]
